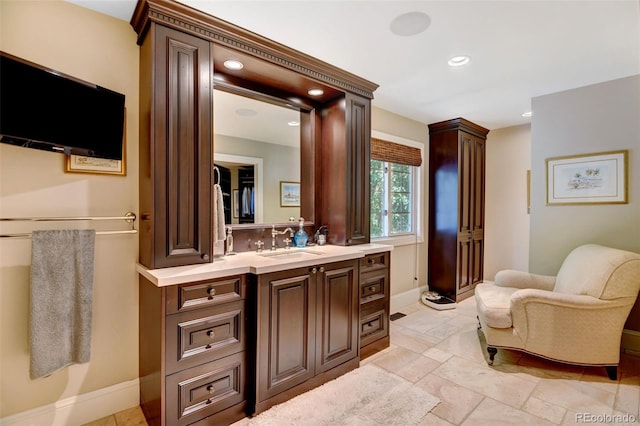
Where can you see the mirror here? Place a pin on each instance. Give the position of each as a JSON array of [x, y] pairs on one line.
[[257, 152]]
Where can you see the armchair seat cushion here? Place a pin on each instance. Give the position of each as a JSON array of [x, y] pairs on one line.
[[494, 304]]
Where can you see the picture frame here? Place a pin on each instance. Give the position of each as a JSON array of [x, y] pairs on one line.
[[236, 203], [599, 178], [289, 194], [81, 164]]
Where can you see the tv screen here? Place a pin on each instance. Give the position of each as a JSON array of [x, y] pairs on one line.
[[44, 109]]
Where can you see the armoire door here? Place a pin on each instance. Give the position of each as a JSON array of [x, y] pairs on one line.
[[471, 172]]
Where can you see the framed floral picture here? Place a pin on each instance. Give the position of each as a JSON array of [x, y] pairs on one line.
[[599, 178]]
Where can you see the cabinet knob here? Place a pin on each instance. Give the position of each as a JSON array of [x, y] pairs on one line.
[[211, 389], [205, 257], [371, 261], [211, 334], [212, 292], [314, 270], [372, 288], [321, 269]]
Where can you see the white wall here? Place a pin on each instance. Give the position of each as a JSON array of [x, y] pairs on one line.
[[102, 50], [506, 217]]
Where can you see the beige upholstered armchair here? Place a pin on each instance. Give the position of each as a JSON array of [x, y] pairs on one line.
[[576, 317]]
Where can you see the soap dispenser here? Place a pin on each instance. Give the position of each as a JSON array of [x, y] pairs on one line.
[[300, 238]]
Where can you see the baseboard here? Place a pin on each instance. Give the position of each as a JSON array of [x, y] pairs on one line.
[[631, 340], [80, 409], [398, 301]]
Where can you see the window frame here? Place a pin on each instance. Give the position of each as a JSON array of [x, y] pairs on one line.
[[417, 236]]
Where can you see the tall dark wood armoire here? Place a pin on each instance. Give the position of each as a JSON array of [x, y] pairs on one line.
[[456, 207]]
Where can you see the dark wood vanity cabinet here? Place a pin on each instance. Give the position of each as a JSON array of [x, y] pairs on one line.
[[193, 351], [175, 148], [374, 303], [307, 329], [346, 139], [456, 207]]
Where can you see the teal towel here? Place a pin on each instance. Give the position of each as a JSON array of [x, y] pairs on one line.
[[61, 298]]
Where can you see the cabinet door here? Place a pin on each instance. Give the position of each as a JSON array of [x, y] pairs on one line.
[[358, 153], [286, 331], [180, 149], [338, 315]]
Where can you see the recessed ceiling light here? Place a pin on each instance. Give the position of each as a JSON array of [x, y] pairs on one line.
[[410, 24], [315, 92], [293, 123], [246, 112], [527, 114], [232, 64], [458, 61]]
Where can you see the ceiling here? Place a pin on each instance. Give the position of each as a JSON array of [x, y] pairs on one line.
[[518, 49]]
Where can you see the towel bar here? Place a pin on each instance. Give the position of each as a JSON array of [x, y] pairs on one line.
[[129, 217]]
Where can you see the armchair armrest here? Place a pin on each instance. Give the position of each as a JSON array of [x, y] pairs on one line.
[[519, 279], [565, 326]]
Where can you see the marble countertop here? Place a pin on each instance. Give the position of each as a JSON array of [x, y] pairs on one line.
[[259, 263]]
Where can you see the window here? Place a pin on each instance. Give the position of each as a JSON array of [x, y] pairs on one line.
[[395, 172]]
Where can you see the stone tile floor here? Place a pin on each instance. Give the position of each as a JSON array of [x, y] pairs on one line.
[[443, 353]]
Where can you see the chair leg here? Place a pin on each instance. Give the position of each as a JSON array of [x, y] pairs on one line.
[[612, 371], [492, 353]]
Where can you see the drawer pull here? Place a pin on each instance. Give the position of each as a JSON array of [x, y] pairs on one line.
[[372, 288], [371, 261], [211, 334], [208, 401], [212, 292], [211, 389]]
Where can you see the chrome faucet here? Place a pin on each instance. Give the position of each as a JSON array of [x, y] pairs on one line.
[[275, 233]]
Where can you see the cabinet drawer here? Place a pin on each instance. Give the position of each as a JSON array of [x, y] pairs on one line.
[[205, 293], [203, 335], [374, 324], [372, 262], [373, 286], [202, 391]]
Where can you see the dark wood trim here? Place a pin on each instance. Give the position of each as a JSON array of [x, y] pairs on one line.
[[375, 347], [197, 23]]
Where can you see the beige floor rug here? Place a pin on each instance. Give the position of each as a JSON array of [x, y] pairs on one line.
[[365, 396]]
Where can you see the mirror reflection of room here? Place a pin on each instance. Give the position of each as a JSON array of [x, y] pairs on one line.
[[256, 147]]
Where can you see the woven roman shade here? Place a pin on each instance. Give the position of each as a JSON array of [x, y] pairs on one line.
[[395, 153]]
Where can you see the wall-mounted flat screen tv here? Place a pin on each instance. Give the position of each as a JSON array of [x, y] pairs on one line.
[[44, 109]]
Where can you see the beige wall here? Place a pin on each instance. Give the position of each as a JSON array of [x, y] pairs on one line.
[[102, 50], [506, 217], [409, 260], [591, 119]]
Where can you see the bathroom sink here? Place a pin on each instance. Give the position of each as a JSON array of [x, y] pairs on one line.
[[290, 254]]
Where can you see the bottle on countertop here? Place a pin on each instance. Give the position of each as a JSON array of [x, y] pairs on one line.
[[300, 238]]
